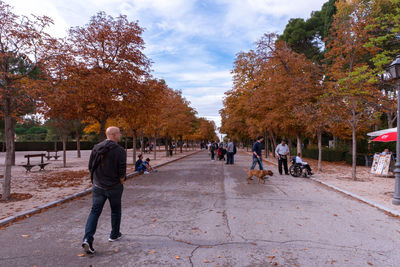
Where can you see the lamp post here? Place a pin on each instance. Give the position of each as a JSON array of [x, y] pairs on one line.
[[394, 70]]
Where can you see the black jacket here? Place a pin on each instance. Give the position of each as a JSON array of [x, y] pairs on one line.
[[107, 164]]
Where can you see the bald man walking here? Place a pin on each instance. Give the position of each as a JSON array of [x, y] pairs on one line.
[[107, 165]]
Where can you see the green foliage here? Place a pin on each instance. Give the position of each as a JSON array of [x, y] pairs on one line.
[[306, 37]]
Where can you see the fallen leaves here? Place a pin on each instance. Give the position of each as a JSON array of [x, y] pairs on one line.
[[81, 255], [177, 257], [25, 235]]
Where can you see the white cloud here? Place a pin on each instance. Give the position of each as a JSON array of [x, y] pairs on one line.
[[191, 42]]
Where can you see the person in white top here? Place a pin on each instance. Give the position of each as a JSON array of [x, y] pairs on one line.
[[282, 152], [300, 161], [385, 152]]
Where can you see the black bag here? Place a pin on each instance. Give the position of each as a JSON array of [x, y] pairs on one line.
[[282, 156], [98, 158], [234, 149]]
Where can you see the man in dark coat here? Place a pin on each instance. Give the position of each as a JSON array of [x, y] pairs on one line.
[[107, 165]]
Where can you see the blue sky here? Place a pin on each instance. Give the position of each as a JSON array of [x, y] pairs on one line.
[[192, 43]]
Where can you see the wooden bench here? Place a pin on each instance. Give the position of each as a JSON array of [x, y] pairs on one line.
[[48, 157], [28, 166]]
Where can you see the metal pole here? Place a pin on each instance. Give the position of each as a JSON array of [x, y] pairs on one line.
[[396, 196]]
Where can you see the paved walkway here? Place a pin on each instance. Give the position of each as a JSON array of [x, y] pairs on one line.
[[198, 212]]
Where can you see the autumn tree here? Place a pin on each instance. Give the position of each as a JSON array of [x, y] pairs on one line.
[[23, 45], [111, 51], [352, 99]]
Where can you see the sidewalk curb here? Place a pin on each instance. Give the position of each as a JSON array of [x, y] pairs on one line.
[[355, 196], [360, 198], [26, 214]]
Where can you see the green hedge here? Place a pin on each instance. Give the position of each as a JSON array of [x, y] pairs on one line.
[[44, 146], [327, 154], [360, 159]]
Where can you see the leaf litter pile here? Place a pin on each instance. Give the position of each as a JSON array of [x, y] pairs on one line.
[[16, 197], [62, 179]]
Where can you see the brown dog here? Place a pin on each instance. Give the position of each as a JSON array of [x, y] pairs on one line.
[[260, 174]]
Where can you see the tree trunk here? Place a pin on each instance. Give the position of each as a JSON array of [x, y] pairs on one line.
[[319, 136], [290, 144], [64, 144], [78, 145], [134, 147], [247, 145], [273, 143], [142, 143], [126, 142], [102, 134], [13, 141], [8, 161], [299, 142], [155, 146], [187, 145], [266, 143], [390, 118], [166, 147], [181, 143], [335, 141], [175, 146], [354, 156]]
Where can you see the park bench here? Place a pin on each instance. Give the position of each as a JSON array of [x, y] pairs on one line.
[[49, 156], [28, 166]]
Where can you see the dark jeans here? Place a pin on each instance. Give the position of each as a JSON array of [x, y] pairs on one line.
[[212, 154], [284, 162], [99, 197], [308, 168], [255, 161], [229, 158]]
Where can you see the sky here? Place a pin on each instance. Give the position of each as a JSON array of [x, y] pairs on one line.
[[192, 44]]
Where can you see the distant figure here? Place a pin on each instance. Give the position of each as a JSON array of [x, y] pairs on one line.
[[385, 152], [300, 161], [282, 152], [213, 147], [257, 148], [229, 152], [107, 165], [170, 149], [148, 167], [139, 164]]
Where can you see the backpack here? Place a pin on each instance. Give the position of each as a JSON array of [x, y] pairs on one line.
[[98, 158]]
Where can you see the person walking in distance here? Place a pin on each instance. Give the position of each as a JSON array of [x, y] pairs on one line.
[[282, 152], [212, 150], [257, 147], [229, 152], [107, 165]]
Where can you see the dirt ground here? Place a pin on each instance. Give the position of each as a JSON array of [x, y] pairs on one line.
[[36, 188]]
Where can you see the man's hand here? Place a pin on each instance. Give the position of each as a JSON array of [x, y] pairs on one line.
[[122, 180]]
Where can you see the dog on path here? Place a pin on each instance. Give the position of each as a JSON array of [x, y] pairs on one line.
[[260, 174]]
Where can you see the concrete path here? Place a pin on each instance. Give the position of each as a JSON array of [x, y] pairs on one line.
[[198, 212]]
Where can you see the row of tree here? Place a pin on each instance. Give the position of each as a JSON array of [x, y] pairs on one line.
[[325, 75], [96, 76]]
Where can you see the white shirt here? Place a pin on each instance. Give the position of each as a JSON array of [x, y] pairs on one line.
[[299, 161], [282, 150]]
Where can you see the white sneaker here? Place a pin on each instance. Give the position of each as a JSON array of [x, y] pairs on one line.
[[146, 172]]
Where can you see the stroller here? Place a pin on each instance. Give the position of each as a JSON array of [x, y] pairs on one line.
[[221, 153]]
